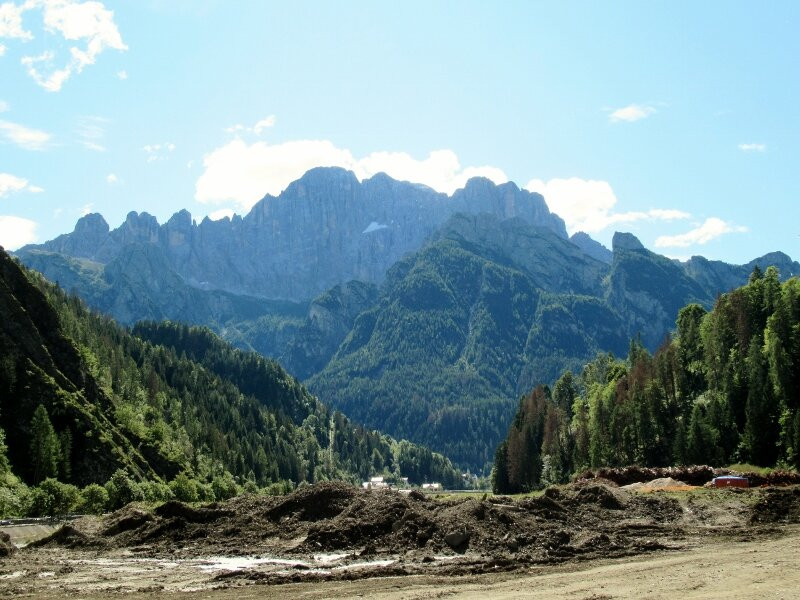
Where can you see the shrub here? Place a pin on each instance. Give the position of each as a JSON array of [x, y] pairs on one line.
[[224, 487], [122, 490], [53, 498], [156, 491], [185, 488], [94, 499]]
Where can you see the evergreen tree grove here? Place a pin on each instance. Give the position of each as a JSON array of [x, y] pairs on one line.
[[725, 389]]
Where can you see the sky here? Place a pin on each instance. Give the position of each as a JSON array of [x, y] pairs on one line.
[[677, 121]]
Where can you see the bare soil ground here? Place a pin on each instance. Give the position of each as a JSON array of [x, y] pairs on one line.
[[587, 540]]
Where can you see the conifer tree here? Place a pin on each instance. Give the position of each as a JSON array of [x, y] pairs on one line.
[[45, 448]]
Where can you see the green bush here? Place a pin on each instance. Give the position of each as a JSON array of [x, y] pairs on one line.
[[52, 498], [94, 499], [185, 488], [14, 496], [156, 491], [122, 490], [224, 487]]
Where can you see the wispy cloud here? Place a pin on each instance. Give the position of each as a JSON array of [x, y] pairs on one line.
[[158, 151], [15, 232], [631, 113], [122, 75], [711, 229], [10, 184], [90, 22], [257, 129], [588, 204], [242, 173], [4, 106], [112, 179], [91, 132], [753, 147], [24, 137]]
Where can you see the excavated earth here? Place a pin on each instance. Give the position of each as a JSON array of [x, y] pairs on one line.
[[332, 531]]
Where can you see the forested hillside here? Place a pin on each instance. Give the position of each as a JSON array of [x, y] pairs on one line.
[[725, 389], [82, 398]]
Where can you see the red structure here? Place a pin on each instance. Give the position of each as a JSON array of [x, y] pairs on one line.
[[730, 481]]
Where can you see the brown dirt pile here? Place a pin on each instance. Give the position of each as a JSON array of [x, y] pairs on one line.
[[575, 522], [586, 520]]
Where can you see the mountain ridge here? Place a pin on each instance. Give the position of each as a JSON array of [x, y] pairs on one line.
[[317, 233]]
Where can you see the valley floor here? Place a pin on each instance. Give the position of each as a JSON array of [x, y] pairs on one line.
[[755, 568], [580, 541]]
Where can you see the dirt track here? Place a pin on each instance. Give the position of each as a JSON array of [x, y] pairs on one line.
[[584, 541]]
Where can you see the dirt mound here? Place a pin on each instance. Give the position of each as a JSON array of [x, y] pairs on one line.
[[691, 475], [777, 506], [125, 519], [175, 509], [662, 484], [600, 495], [6, 547], [314, 502], [67, 536]]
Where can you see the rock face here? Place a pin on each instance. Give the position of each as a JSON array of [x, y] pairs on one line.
[[591, 247], [325, 229], [330, 318], [647, 290]]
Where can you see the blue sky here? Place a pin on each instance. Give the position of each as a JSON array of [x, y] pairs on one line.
[[677, 121]]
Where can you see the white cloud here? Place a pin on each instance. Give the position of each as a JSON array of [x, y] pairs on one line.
[[753, 147], [264, 124], [631, 113], [24, 137], [243, 173], [587, 204], [10, 184], [257, 129], [122, 75], [89, 22], [221, 214], [711, 229], [2, 50], [91, 131], [158, 151], [86, 209], [15, 232], [4, 106], [111, 179], [11, 21]]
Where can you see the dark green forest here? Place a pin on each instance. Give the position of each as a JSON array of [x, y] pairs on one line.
[[166, 410], [725, 388]]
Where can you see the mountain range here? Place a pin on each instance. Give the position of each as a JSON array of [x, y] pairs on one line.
[[166, 399], [417, 313]]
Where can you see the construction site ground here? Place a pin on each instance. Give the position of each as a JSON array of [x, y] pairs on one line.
[[590, 539]]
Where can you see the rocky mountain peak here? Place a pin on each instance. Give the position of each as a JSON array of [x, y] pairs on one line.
[[625, 241], [92, 224], [591, 247], [181, 220]]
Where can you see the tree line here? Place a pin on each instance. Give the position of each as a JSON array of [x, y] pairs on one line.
[[725, 388]]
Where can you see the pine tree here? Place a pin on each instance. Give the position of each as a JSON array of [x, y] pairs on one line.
[[45, 448]]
